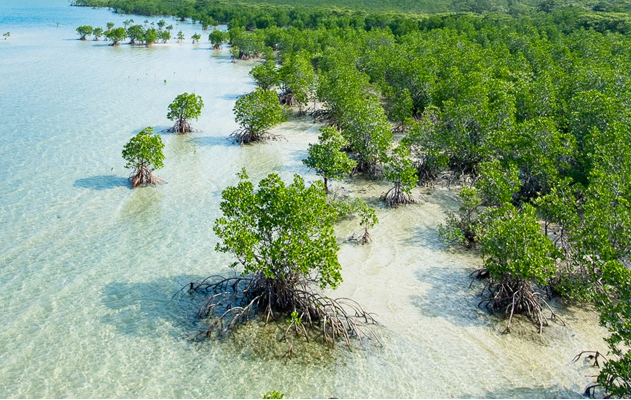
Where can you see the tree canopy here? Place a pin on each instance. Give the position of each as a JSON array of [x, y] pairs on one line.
[[293, 235], [116, 35], [257, 112], [326, 157], [83, 31], [184, 108], [283, 240], [143, 154]]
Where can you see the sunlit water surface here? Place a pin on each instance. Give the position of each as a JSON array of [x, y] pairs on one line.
[[89, 267]]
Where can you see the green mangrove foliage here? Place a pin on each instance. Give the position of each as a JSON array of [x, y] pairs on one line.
[[265, 75], [402, 175], [217, 38], [257, 112], [116, 35], [184, 108], [296, 80], [327, 158], [528, 110], [83, 31], [283, 240]]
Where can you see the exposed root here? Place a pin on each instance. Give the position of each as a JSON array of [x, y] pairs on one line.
[[320, 115], [396, 197], [362, 239], [590, 390], [481, 273], [234, 300], [592, 357], [426, 172], [369, 169], [512, 296], [181, 126], [287, 98], [143, 176], [247, 136]]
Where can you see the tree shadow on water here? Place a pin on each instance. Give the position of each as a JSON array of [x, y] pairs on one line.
[[152, 308], [427, 237], [102, 182], [451, 296], [231, 96], [211, 141]]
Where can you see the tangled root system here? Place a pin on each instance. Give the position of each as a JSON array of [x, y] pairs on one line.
[[235, 300], [511, 296], [396, 197], [246, 136], [181, 126], [143, 176]]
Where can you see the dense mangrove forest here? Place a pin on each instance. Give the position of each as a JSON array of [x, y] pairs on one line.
[[521, 107]]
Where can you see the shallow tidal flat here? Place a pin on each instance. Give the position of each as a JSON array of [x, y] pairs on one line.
[[89, 268]]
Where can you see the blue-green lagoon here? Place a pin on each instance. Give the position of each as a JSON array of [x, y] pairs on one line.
[[89, 268]]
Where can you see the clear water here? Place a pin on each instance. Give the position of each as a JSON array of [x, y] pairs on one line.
[[89, 267]]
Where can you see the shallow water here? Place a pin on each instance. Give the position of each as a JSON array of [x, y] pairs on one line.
[[89, 267]]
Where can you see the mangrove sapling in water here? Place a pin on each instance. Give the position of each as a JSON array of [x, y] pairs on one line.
[[83, 31], [164, 36], [273, 394], [151, 36], [216, 38], [98, 32], [347, 206], [135, 33], [401, 173], [367, 219], [116, 35], [143, 154], [184, 108], [256, 113], [326, 157], [283, 239]]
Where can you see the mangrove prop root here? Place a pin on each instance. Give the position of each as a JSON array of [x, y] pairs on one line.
[[235, 300], [590, 355], [590, 390], [247, 136], [480, 274], [512, 296], [320, 115], [143, 176], [287, 98], [396, 197], [362, 239], [181, 126]]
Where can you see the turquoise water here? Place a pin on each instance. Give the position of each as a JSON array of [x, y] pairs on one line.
[[89, 267]]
